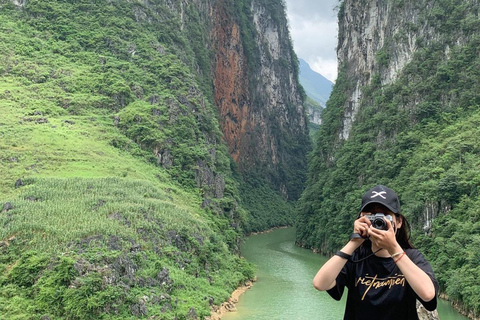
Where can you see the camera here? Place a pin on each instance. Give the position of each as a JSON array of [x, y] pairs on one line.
[[378, 221]]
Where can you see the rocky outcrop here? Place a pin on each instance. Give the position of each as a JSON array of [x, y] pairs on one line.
[[424, 314], [217, 312], [256, 93], [366, 48], [314, 116], [20, 3]]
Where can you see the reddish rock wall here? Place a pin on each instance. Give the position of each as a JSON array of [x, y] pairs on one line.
[[230, 81]]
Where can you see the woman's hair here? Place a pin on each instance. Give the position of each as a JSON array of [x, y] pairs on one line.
[[402, 234]]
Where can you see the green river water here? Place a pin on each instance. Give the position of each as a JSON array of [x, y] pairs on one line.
[[284, 288]]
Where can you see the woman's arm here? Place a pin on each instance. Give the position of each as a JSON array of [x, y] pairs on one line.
[[325, 277], [420, 282]]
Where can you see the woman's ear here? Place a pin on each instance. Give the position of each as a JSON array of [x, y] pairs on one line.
[[399, 221]]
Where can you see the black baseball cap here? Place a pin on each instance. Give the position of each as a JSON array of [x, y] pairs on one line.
[[382, 195]]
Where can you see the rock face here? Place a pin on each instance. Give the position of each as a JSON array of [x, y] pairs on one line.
[[254, 72], [366, 30], [232, 95], [424, 314], [256, 93], [314, 116]]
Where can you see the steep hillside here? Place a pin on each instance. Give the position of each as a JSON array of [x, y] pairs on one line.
[[258, 96], [120, 198], [404, 113]]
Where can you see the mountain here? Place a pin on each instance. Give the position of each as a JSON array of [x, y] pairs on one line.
[[404, 113], [139, 142], [318, 90], [315, 85], [257, 94]]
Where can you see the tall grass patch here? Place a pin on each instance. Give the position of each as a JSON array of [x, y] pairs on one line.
[[111, 248]]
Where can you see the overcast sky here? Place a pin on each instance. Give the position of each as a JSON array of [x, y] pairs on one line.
[[313, 28]]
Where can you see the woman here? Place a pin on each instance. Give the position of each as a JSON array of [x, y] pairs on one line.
[[384, 274]]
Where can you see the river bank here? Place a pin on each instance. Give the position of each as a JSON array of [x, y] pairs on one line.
[[457, 306], [217, 312], [267, 231]]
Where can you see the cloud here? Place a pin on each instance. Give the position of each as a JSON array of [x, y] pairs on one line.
[[313, 9], [327, 68], [314, 28]]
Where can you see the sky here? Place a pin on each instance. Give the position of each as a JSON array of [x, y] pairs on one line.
[[313, 28]]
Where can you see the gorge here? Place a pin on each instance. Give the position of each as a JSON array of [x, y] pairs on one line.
[[140, 140]]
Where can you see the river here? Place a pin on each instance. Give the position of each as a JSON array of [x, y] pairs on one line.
[[284, 288]]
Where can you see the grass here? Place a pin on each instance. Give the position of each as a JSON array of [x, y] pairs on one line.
[[125, 231], [51, 213], [65, 146]]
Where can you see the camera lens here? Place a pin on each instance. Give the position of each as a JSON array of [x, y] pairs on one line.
[[379, 223]]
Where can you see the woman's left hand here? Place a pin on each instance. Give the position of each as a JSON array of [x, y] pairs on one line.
[[384, 239]]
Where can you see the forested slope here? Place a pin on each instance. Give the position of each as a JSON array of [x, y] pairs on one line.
[[119, 198], [404, 113]]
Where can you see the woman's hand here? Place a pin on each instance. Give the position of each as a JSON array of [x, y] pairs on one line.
[[361, 226], [384, 239]]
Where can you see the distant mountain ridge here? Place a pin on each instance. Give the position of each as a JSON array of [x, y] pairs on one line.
[[316, 86], [318, 89]]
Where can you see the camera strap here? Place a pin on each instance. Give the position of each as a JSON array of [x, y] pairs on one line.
[[365, 258], [356, 236]]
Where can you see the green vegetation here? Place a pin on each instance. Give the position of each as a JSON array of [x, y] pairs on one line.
[[418, 135], [315, 107], [112, 248], [267, 208], [118, 199]]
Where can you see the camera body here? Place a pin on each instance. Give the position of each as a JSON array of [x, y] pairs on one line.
[[378, 221]]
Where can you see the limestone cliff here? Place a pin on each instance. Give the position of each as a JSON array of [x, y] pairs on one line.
[[380, 38], [365, 29], [257, 94], [254, 72], [403, 112]]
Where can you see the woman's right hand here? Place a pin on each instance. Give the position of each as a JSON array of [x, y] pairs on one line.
[[361, 225]]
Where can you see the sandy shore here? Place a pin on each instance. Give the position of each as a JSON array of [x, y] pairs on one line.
[[230, 305]]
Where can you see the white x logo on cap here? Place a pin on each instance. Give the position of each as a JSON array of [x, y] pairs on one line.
[[378, 194]]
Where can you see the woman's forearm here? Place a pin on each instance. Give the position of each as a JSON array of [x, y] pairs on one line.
[[420, 282], [325, 277]]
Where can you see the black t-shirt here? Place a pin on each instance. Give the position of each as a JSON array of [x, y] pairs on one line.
[[377, 289]]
